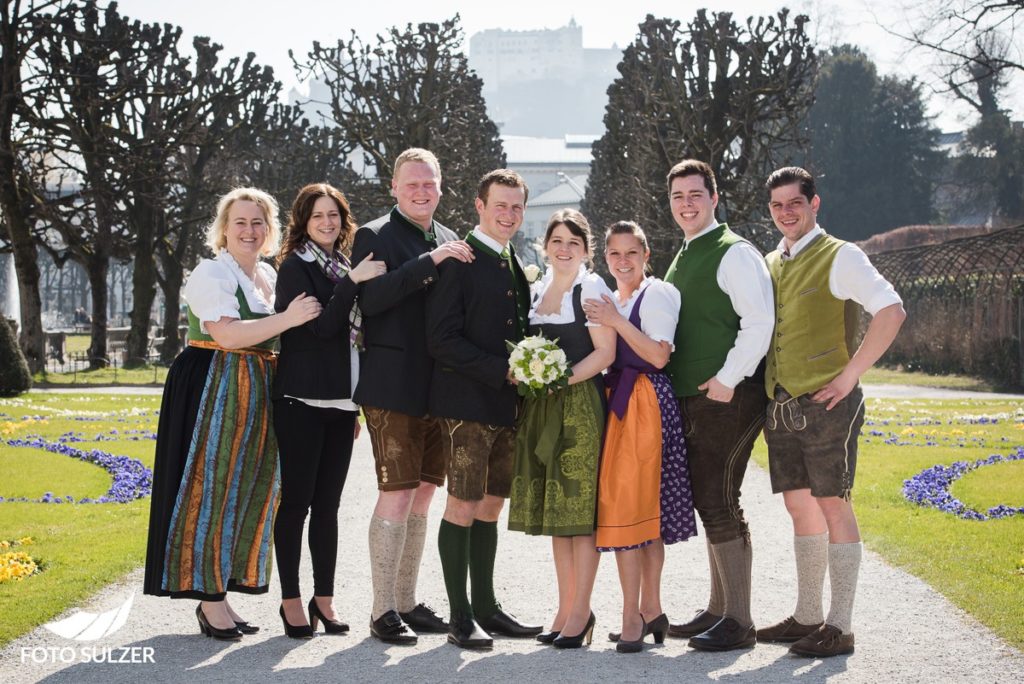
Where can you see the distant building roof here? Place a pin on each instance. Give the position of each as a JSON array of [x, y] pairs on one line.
[[562, 194], [571, 149]]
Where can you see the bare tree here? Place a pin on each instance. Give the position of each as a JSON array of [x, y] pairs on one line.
[[733, 95], [412, 87], [17, 200]]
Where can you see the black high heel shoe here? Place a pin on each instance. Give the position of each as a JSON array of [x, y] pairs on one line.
[[548, 637], [230, 634], [658, 627], [245, 628], [295, 631], [624, 646], [587, 635], [330, 626]]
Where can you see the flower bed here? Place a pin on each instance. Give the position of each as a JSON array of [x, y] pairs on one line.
[[132, 479], [17, 565], [931, 487]]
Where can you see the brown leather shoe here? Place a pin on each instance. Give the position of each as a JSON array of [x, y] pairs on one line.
[[701, 622], [825, 642], [787, 631]]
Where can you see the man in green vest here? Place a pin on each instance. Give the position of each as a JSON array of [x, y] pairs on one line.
[[724, 328], [817, 407]]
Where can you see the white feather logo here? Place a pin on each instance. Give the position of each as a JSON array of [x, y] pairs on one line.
[[84, 626]]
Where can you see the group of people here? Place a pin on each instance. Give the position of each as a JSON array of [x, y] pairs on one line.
[[671, 381]]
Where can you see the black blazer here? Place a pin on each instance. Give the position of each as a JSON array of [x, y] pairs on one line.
[[314, 361], [395, 369], [470, 314]]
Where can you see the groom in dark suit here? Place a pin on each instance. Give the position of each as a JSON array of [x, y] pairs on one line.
[[475, 307]]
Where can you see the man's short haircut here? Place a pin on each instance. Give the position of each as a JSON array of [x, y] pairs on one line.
[[417, 154], [694, 167], [506, 177], [792, 174]]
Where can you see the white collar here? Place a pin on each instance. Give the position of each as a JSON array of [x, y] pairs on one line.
[[801, 243], [549, 275], [648, 279], [488, 240], [257, 302], [714, 224]]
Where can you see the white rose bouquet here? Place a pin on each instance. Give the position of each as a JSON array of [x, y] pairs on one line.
[[538, 365]]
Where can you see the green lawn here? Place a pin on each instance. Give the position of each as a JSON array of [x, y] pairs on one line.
[[82, 547], [890, 376], [147, 375], [977, 565]]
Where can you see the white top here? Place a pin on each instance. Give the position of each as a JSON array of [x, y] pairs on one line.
[[593, 287], [743, 276], [210, 289], [353, 356], [659, 311], [852, 275]]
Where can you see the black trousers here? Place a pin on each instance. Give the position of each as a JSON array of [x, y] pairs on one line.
[[719, 439], [315, 445]]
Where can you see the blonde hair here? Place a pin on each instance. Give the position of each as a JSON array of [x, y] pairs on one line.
[[215, 238], [417, 154]]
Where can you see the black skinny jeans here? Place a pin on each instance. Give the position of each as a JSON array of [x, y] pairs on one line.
[[315, 445], [719, 439]]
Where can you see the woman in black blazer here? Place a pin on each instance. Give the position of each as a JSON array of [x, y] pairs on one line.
[[314, 417]]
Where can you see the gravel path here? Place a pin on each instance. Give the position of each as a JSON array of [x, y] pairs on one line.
[[906, 632]]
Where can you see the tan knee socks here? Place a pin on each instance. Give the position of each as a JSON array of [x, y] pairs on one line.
[[811, 563], [843, 567], [387, 538], [409, 566]]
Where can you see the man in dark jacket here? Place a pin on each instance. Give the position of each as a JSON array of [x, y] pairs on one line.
[[393, 389], [471, 312]]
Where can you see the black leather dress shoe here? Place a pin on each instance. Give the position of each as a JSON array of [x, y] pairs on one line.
[[506, 625], [726, 635], [466, 633], [701, 622], [390, 629], [422, 618]]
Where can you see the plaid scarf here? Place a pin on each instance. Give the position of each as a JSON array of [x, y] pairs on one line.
[[335, 267]]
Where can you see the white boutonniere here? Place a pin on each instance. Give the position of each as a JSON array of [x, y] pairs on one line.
[[532, 273]]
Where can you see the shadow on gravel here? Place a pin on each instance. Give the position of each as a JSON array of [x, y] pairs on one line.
[[194, 658]]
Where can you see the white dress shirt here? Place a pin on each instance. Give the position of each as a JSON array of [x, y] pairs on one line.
[[743, 276], [593, 287], [659, 311]]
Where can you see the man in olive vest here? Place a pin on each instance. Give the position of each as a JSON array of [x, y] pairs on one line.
[[725, 325], [817, 407]]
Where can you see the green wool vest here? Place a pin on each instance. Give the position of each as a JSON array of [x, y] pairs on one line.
[[814, 331], [244, 313], [707, 322]]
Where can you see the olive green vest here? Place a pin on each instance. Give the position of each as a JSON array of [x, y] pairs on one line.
[[244, 313], [707, 322], [814, 332]]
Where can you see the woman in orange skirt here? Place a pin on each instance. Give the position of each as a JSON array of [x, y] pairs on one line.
[[644, 497]]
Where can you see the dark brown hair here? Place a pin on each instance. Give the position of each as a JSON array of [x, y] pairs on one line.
[[792, 174], [505, 177], [693, 167], [576, 223], [295, 234]]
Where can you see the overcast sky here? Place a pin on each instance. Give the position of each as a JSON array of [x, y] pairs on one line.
[[270, 28]]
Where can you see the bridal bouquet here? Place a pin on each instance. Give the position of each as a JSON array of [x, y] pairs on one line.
[[538, 365]]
